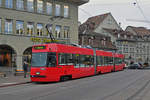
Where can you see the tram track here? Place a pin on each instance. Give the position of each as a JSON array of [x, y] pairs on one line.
[[129, 87], [84, 83], [111, 86], [139, 91]]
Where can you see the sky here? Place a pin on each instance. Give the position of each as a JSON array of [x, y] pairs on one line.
[[121, 10]]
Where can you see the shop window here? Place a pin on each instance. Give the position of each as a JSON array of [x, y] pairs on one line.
[[20, 4], [30, 6], [57, 10], [39, 29], [19, 27], [39, 6], [49, 8], [66, 11], [30, 28], [0, 25], [66, 32], [9, 3], [57, 31], [8, 26]]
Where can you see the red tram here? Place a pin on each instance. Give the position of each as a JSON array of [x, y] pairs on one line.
[[58, 62]]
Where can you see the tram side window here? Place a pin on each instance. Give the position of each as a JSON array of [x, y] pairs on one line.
[[82, 61], [105, 60], [76, 60], [86, 60], [51, 60], [110, 61], [99, 60], [120, 60], [102, 60], [89, 60], [117, 61], [62, 59], [65, 59], [69, 59]]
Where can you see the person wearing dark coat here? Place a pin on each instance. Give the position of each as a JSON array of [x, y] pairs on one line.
[[25, 68]]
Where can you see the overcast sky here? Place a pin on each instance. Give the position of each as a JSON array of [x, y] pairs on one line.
[[120, 9]]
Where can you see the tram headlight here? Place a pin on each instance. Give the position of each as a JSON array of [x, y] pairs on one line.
[[37, 73]]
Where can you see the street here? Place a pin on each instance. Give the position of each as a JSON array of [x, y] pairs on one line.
[[123, 85]]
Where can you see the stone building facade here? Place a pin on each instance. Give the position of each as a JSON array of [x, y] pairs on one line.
[[22, 24], [93, 30], [96, 40], [134, 42], [142, 45]]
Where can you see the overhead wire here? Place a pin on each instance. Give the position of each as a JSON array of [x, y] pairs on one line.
[[142, 12], [85, 12]]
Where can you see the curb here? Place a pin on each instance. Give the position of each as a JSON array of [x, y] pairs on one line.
[[1, 86]]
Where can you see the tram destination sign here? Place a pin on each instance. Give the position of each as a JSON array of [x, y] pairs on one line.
[[39, 47]]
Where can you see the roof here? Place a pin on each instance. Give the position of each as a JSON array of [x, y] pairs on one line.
[[93, 22], [78, 2], [140, 31], [115, 32], [91, 33]]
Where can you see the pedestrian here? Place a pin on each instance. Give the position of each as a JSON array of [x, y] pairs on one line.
[[25, 68]]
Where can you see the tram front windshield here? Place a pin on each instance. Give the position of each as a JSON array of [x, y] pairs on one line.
[[39, 59]]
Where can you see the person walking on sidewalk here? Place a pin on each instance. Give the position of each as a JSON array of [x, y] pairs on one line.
[[25, 68]]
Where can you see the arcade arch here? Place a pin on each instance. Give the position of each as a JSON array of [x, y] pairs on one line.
[[7, 56]]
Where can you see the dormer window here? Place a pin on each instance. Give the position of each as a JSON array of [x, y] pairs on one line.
[[125, 36], [118, 35]]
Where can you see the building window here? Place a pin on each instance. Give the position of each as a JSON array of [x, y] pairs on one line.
[[118, 35], [50, 30], [66, 11], [39, 6], [20, 4], [0, 25], [125, 36], [0, 3], [30, 6], [19, 27], [57, 10], [49, 8], [8, 26], [30, 28], [39, 29], [109, 21], [66, 32], [9, 3], [57, 31]]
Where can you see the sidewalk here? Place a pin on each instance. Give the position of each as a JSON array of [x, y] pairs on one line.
[[11, 80]]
